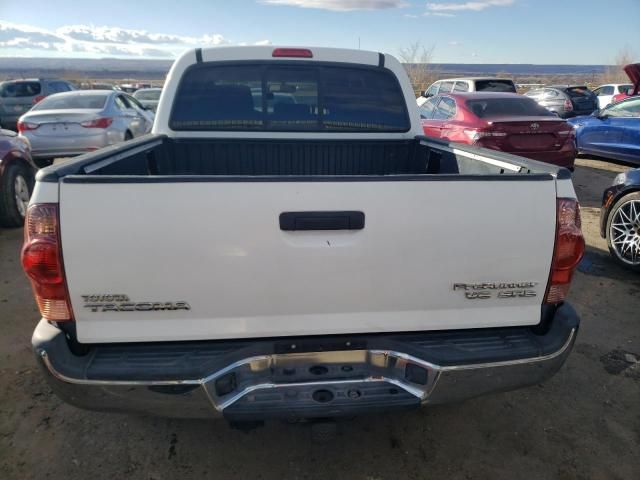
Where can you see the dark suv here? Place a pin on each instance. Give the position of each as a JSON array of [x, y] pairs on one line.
[[18, 96], [566, 100]]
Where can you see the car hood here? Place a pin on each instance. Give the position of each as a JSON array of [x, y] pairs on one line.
[[633, 72]]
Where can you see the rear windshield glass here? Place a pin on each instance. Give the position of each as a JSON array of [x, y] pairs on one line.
[[625, 89], [495, 86], [289, 97], [19, 89], [147, 94], [579, 92], [68, 102], [507, 107]]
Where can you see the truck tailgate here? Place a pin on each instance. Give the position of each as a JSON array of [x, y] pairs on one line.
[[176, 259]]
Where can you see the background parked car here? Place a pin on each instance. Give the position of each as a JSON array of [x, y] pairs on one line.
[[620, 219], [501, 121], [148, 97], [565, 100], [73, 123], [470, 84], [633, 72], [613, 132], [18, 96], [17, 172], [605, 93]]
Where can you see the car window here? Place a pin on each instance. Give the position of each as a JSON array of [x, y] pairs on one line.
[[495, 86], [433, 90], [537, 92], [461, 87], [147, 95], [285, 98], [60, 87], [505, 107], [20, 89], [67, 102], [426, 110], [628, 108], [625, 89], [133, 102], [550, 93], [606, 90], [445, 109], [120, 103], [446, 87], [577, 92]]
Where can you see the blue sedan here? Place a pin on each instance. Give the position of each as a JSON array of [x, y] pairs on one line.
[[613, 132]]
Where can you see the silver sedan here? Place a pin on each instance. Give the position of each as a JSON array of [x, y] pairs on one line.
[[73, 123]]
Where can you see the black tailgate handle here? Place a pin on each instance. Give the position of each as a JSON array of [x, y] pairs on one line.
[[349, 220]]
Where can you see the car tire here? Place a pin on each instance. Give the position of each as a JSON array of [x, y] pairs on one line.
[[623, 231], [15, 189]]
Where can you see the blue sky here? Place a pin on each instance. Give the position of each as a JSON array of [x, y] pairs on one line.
[[461, 31]]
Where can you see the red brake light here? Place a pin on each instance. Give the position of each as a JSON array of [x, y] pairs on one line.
[[42, 262], [38, 98], [568, 250], [26, 126], [98, 123], [292, 52]]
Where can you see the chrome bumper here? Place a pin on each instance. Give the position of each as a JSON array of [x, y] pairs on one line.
[[351, 377]]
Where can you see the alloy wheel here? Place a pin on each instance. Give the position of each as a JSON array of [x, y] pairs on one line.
[[625, 232]]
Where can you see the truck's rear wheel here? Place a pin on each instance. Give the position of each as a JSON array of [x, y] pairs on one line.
[[623, 231], [14, 196]]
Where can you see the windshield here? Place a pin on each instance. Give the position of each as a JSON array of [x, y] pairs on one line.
[[147, 94], [69, 102], [579, 92], [19, 89], [495, 86], [501, 107], [285, 98], [628, 108]]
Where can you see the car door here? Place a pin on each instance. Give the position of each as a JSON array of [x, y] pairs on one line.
[[442, 115], [604, 134], [144, 112], [605, 95], [625, 123], [430, 128], [136, 123]]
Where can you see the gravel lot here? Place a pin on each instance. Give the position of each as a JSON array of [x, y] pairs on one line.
[[582, 424]]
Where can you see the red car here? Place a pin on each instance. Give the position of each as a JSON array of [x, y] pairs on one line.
[[507, 122], [633, 72]]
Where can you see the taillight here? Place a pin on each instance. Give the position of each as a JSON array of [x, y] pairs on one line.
[[42, 262], [567, 251], [26, 126], [38, 99], [98, 123], [292, 52], [568, 106]]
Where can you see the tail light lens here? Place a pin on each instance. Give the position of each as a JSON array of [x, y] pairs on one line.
[[42, 262], [104, 122], [26, 126], [568, 250], [292, 52], [568, 106], [39, 98]]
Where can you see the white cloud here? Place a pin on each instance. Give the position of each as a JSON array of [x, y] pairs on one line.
[[90, 40], [341, 5], [437, 14], [455, 43], [473, 6]]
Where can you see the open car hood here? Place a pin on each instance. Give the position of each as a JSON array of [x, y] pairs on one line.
[[633, 72]]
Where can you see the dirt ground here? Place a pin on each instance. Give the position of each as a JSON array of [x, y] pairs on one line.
[[582, 424]]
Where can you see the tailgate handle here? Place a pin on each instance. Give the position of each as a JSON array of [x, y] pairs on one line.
[[350, 220]]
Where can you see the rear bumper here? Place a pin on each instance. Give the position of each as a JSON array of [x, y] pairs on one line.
[[303, 377], [560, 158]]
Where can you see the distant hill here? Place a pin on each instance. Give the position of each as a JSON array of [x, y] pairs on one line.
[[115, 68]]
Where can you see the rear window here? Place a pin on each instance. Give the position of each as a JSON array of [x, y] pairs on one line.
[[289, 97], [68, 102], [20, 89], [507, 107], [495, 86], [147, 94], [579, 92]]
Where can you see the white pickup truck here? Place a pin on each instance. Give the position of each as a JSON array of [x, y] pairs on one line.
[[286, 244]]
